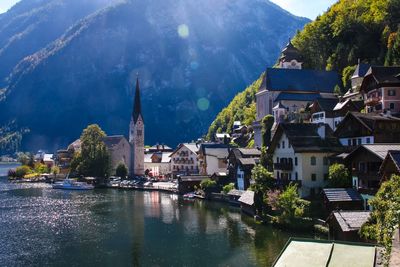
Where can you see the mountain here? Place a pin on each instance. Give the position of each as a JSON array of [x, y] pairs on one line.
[[192, 57]]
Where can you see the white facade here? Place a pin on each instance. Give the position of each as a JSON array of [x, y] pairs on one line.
[[320, 117], [184, 160], [158, 163], [309, 168]]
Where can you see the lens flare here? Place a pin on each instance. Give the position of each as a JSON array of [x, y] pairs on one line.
[[203, 104], [183, 31]]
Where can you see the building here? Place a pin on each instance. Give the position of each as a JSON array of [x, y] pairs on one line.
[[324, 253], [342, 199], [184, 159], [158, 148], [293, 88], [381, 89], [240, 163], [157, 164], [300, 154], [360, 128], [213, 158], [120, 151], [246, 201], [188, 183], [322, 111], [222, 138], [136, 135], [345, 225], [390, 165], [344, 107], [364, 163]]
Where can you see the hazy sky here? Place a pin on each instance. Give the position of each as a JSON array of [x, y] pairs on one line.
[[305, 8]]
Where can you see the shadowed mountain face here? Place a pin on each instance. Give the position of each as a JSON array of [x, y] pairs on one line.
[[76, 62]]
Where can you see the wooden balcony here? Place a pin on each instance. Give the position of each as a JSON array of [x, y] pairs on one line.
[[372, 101], [283, 166]]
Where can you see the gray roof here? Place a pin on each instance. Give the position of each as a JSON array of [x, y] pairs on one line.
[[380, 150], [342, 194], [361, 70], [192, 147], [220, 153], [300, 80], [236, 192], [250, 152], [248, 161], [351, 220], [190, 178], [247, 198], [111, 141]]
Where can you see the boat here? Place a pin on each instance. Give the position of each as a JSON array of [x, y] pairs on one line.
[[189, 195], [70, 184]]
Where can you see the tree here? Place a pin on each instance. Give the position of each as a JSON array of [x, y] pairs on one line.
[[21, 171], [228, 188], [121, 170], [267, 123], [385, 217], [41, 168], [26, 159], [263, 181], [55, 170], [291, 205], [339, 176], [94, 159], [346, 76], [208, 186]]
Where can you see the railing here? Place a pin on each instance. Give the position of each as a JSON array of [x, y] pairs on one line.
[[283, 166]]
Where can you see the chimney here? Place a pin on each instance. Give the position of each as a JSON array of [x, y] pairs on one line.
[[322, 130]]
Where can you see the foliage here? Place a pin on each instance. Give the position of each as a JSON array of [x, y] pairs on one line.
[[55, 170], [263, 181], [26, 159], [291, 205], [11, 136], [272, 197], [349, 30], [41, 168], [121, 170], [266, 159], [339, 176], [267, 123], [346, 76], [21, 171], [242, 108], [208, 185], [385, 216], [228, 188], [94, 159], [250, 144], [393, 45], [31, 175]]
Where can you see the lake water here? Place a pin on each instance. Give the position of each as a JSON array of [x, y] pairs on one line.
[[4, 167], [40, 226]]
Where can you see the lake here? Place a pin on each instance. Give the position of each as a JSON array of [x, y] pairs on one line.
[[40, 226]]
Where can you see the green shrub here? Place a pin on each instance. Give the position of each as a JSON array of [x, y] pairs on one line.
[[21, 171], [228, 188]]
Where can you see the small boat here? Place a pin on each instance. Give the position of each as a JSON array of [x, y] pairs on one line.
[[70, 184], [189, 195]]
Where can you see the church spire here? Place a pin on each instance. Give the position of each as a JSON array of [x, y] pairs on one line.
[[137, 107]]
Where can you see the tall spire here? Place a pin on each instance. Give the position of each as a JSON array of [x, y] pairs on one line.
[[137, 107]]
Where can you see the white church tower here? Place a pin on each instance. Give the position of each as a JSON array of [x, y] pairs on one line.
[[136, 135]]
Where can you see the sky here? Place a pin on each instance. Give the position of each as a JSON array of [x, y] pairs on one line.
[[305, 8]]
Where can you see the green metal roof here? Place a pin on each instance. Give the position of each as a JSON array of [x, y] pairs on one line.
[[322, 253]]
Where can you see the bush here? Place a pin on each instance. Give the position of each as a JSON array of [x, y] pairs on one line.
[[228, 188], [21, 171], [121, 170], [12, 174], [339, 176], [41, 168], [208, 184]]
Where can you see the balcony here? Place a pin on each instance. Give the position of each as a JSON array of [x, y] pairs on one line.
[[283, 166]]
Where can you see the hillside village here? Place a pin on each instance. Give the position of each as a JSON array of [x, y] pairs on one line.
[[303, 131]]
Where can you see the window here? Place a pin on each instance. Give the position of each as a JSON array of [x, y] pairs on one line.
[[325, 161], [348, 142], [391, 92], [313, 177], [313, 161], [277, 159], [279, 145], [354, 142], [283, 144], [277, 175], [290, 176], [295, 161], [297, 176], [359, 141], [391, 106], [368, 140]]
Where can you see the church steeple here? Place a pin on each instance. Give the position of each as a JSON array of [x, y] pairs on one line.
[[137, 106]]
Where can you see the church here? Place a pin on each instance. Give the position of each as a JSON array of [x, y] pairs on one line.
[[288, 89], [136, 136]]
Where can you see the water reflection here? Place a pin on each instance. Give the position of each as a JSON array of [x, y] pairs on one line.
[[43, 226]]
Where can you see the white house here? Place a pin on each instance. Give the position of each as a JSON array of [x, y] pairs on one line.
[[213, 158], [184, 159], [300, 155], [158, 163]]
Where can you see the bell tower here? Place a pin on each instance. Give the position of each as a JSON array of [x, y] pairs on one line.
[[136, 135]]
